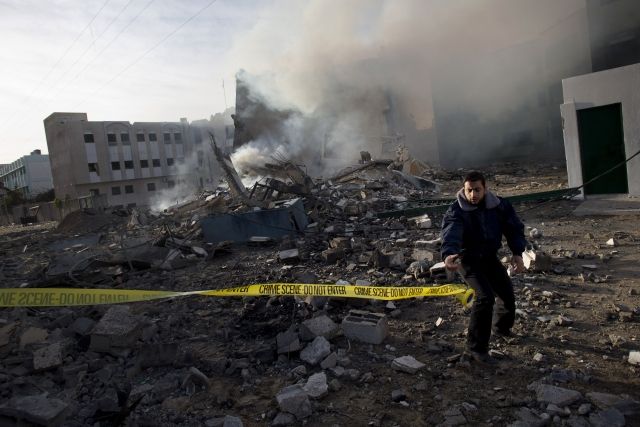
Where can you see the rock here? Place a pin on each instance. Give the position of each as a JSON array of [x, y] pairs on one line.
[[407, 364], [283, 419], [317, 350], [398, 395], [330, 361], [195, 378], [82, 326], [606, 400], [585, 408], [634, 357], [288, 342], [31, 336], [563, 321], [612, 242], [538, 357], [294, 400], [118, 328], [333, 255], [536, 261], [527, 418], [559, 396], [318, 326], [109, 402], [316, 386], [608, 418], [423, 222], [226, 421], [38, 410], [418, 269], [289, 256], [48, 357]]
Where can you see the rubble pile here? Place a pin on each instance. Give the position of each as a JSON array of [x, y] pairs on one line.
[[317, 360]]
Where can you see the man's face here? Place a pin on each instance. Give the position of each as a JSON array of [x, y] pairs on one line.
[[474, 191]]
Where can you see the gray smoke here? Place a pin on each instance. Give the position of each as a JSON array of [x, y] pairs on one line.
[[359, 73]]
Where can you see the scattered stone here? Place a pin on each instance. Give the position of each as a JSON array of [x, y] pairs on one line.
[[612, 242], [317, 350], [289, 256], [318, 326], [608, 418], [284, 419], [559, 396], [288, 342], [294, 400], [316, 386], [585, 408], [118, 328], [31, 336], [48, 357], [82, 326], [38, 410], [196, 379], [330, 361], [398, 395], [365, 326], [535, 233], [563, 321], [333, 255], [536, 261], [606, 400], [423, 222], [407, 364]]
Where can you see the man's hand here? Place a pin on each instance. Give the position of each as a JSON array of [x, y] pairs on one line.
[[452, 262], [517, 264]]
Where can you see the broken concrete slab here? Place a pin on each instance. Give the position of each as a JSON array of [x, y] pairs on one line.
[[289, 256], [288, 342], [118, 328], [407, 364], [38, 409], [48, 357], [294, 400], [559, 396], [318, 326], [317, 350], [316, 386], [33, 336], [365, 326]]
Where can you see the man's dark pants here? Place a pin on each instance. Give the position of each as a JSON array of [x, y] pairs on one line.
[[489, 279]]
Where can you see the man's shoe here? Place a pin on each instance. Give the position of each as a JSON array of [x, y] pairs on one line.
[[483, 358]]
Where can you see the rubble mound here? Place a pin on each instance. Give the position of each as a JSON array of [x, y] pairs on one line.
[[87, 221]]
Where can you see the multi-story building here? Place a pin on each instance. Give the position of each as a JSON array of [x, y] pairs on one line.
[[31, 175], [133, 164]]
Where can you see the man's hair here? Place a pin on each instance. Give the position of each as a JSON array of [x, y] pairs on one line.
[[475, 176]]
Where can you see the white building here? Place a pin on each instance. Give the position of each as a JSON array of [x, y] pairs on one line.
[[30, 174]]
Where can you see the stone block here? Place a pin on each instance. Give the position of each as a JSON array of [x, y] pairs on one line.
[[118, 328], [318, 326], [365, 326], [294, 400], [288, 342], [48, 357], [316, 386], [38, 410], [289, 256], [317, 350], [407, 364]]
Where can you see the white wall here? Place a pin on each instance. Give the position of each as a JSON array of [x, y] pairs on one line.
[[618, 85]]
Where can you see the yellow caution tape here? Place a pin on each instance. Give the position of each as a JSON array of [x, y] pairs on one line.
[[48, 297]]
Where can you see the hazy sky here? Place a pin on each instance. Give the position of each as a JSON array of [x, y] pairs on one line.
[[89, 56]]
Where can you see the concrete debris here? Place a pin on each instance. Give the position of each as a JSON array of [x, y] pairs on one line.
[[558, 396], [634, 357], [318, 326], [316, 351], [38, 410], [536, 261], [407, 364], [365, 326], [294, 400], [316, 386], [117, 329]]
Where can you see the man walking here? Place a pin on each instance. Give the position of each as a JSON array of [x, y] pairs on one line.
[[472, 231]]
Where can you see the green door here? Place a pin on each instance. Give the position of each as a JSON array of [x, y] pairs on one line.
[[601, 148]]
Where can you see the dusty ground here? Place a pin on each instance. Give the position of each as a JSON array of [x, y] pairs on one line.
[[232, 340]]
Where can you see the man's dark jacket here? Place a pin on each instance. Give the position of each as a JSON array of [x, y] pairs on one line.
[[478, 229]]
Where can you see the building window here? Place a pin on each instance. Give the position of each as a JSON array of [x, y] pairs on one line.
[[167, 137], [115, 166], [156, 163], [140, 137], [88, 138], [171, 184], [153, 137], [151, 186], [169, 162], [111, 138], [178, 138], [128, 189], [115, 191], [128, 164], [93, 167], [124, 137], [144, 163]]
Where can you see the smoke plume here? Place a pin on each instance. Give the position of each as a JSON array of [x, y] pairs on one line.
[[427, 73]]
